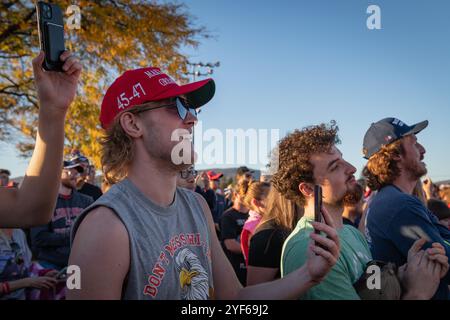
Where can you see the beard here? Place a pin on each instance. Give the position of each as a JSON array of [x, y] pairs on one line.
[[177, 155], [69, 183], [415, 169], [353, 195]]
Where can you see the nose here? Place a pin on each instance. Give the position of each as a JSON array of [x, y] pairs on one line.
[[190, 119], [350, 169], [421, 149]]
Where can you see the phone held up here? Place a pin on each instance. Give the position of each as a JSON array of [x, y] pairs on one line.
[[317, 205], [51, 34]]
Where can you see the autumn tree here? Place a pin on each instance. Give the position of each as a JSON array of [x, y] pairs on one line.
[[115, 35]]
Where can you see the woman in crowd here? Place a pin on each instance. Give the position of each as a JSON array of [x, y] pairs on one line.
[[15, 263], [255, 200], [279, 219], [231, 226]]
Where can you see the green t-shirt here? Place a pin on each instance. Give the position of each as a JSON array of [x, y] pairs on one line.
[[338, 284]]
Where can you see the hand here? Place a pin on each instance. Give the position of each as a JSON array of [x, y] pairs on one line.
[[52, 273], [56, 90], [41, 282], [420, 276], [428, 187], [437, 254], [321, 260]]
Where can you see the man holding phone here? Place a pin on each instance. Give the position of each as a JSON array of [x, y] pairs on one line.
[[309, 157]]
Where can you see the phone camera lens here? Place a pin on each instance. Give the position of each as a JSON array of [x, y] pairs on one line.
[[47, 11]]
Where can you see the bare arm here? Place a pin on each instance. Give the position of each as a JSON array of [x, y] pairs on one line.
[[233, 245], [35, 282], [292, 286], [24, 207], [256, 275], [101, 250]]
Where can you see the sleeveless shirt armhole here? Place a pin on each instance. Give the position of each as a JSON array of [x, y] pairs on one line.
[[80, 220], [204, 219]]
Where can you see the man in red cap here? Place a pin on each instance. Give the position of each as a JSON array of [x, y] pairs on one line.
[[220, 203], [147, 239]]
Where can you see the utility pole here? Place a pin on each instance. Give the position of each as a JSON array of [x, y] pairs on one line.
[[197, 72], [197, 69]]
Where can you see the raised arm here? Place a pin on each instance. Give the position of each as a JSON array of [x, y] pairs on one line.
[[24, 207]]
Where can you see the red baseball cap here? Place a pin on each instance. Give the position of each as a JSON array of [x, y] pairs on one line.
[[143, 85], [213, 175]]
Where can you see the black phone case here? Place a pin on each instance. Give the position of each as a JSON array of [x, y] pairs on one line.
[[317, 204], [51, 35]]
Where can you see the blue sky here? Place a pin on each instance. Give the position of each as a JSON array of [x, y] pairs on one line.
[[289, 64]]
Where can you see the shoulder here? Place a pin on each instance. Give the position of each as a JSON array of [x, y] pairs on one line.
[[102, 224], [272, 237], [296, 244], [197, 196], [270, 234], [353, 233]]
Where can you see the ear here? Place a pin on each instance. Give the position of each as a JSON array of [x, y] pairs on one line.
[[255, 203], [306, 189], [131, 125]]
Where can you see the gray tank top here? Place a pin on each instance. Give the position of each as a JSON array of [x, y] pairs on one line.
[[170, 255]]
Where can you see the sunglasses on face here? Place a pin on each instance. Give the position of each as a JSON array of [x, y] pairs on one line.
[[71, 172], [185, 174], [182, 105]]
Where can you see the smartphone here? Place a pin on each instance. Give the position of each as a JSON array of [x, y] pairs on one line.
[[62, 274], [317, 205], [51, 34]]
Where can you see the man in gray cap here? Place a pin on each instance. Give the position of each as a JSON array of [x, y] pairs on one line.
[[396, 218]]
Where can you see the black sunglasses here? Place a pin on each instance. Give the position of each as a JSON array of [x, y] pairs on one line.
[[188, 173], [182, 105]]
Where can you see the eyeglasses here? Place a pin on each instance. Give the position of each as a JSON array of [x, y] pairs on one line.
[[185, 174], [71, 172], [182, 105]]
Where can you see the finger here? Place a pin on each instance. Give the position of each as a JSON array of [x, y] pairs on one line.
[[435, 251], [42, 285], [37, 65], [69, 62], [327, 243], [75, 69], [436, 267], [50, 280], [65, 55], [329, 231], [443, 260], [326, 216], [421, 258], [416, 246], [49, 284], [331, 260], [438, 245]]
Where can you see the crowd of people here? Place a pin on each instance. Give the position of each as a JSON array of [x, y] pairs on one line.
[[165, 231]]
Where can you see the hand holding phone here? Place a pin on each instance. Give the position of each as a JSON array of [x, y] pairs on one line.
[[62, 274], [51, 34]]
